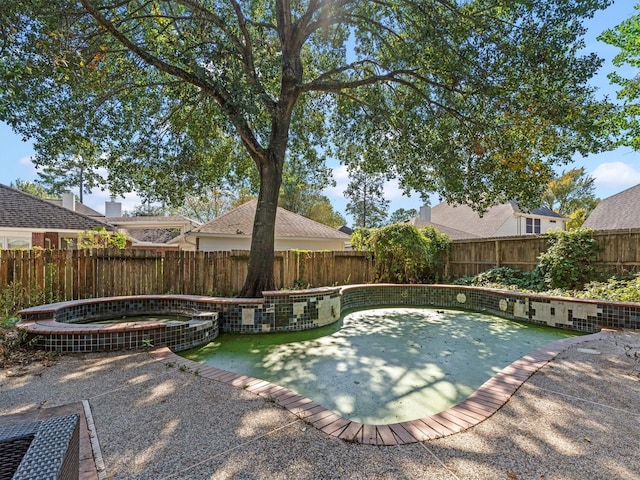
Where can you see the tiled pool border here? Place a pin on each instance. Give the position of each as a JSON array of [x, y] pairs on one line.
[[65, 326], [60, 327]]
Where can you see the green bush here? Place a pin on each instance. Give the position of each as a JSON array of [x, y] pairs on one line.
[[615, 288], [569, 260], [504, 277], [360, 239], [402, 253], [14, 297]]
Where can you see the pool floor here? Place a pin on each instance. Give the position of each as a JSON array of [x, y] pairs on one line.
[[383, 365], [145, 318]]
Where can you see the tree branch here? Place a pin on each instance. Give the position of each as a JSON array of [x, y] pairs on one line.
[[222, 98]]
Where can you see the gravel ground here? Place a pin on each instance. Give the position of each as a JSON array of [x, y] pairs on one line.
[[577, 418]]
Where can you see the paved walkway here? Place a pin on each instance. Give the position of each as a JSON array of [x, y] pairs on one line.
[[578, 417]]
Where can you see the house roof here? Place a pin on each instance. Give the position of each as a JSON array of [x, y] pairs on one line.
[[619, 211], [239, 221], [153, 235], [22, 210], [142, 222], [462, 222], [79, 208], [452, 233]]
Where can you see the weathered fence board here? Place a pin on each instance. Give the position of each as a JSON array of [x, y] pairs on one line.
[[620, 253], [56, 275]]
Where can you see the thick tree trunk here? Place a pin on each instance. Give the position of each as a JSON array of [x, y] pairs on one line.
[[260, 275], [270, 162]]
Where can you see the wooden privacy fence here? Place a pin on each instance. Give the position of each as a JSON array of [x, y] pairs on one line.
[[620, 253], [54, 275], [57, 275]]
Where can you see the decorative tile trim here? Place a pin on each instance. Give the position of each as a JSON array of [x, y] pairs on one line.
[[63, 326]]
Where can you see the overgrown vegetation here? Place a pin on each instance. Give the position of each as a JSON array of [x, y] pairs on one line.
[[15, 296], [15, 350], [569, 260], [567, 269], [403, 253], [505, 278], [99, 237]]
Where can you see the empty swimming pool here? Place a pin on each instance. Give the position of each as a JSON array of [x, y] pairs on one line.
[[383, 365]]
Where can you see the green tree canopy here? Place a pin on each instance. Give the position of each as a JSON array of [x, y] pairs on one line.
[[66, 172], [301, 191], [572, 194], [476, 99], [402, 214], [34, 189], [626, 37], [365, 199]]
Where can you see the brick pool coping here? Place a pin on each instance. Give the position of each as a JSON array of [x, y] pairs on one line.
[[479, 406]]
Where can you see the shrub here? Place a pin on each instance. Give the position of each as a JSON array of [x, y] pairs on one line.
[[404, 254], [437, 245], [615, 288], [100, 238], [568, 261], [14, 297], [360, 239], [504, 277]]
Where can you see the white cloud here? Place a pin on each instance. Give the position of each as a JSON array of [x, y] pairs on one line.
[[27, 162], [392, 192], [341, 177], [616, 174]]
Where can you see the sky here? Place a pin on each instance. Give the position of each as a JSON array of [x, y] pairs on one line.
[[613, 171]]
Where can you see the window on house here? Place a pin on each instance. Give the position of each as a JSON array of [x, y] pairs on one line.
[[17, 242], [533, 225], [68, 243]]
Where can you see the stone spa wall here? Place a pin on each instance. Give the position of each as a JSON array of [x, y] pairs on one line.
[[66, 326]]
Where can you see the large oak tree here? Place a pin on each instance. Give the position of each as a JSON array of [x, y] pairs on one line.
[[474, 99], [626, 37]]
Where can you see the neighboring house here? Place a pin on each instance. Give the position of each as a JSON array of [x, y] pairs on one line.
[[462, 222], [27, 221], [232, 231], [149, 231], [346, 230], [618, 212]]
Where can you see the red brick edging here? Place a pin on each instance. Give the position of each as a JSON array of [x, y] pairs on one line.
[[480, 405]]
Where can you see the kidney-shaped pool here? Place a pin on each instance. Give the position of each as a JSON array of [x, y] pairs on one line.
[[383, 365]]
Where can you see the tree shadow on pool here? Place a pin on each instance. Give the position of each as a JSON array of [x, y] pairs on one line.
[[384, 365]]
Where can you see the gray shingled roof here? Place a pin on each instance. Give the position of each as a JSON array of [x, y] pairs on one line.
[[80, 208], [140, 220], [153, 235], [543, 211], [22, 210], [239, 221], [620, 211]]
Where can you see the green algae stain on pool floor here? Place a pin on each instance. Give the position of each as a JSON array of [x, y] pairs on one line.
[[383, 365]]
